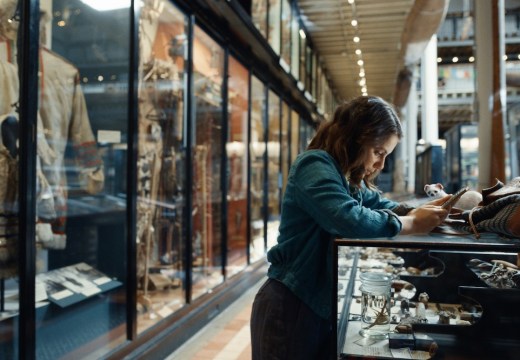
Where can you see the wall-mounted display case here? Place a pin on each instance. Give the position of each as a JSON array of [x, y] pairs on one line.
[[154, 176], [447, 296]]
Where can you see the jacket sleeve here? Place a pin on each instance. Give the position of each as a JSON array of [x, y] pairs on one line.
[[373, 200], [321, 190]]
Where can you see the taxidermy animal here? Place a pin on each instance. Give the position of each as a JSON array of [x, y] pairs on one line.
[[467, 201]]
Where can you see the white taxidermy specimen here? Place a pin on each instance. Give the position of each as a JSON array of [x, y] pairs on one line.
[[467, 201]]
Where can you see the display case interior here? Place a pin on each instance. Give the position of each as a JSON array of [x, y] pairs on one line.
[[444, 302]]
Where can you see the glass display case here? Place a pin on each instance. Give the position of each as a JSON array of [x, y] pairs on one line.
[[9, 196], [259, 15], [161, 186], [295, 46], [461, 157], [237, 167], [273, 167], [148, 164], [274, 28], [207, 146], [286, 28], [451, 297], [258, 154], [429, 167]]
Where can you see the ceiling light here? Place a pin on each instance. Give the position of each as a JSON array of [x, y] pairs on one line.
[[358, 52], [504, 57], [360, 62], [351, 2], [455, 59], [439, 59], [356, 39], [364, 89], [354, 22], [472, 58], [104, 5], [361, 73], [302, 34]]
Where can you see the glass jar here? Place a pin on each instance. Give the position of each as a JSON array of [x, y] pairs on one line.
[[375, 304]]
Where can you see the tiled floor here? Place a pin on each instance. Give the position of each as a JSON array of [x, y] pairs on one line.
[[226, 337]]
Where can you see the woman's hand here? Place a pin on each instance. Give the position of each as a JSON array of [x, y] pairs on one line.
[[425, 218], [438, 201]]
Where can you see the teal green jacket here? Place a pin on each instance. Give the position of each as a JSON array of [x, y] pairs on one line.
[[319, 206]]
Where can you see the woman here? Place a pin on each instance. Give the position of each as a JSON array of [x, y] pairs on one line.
[[330, 194]]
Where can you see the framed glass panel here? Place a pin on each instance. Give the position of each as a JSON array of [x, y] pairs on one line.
[[10, 85], [284, 142], [81, 227], [161, 163], [304, 127], [274, 29], [314, 75], [295, 46], [259, 15], [208, 74], [308, 68], [303, 59], [295, 135], [286, 25], [257, 154], [236, 149], [274, 175]]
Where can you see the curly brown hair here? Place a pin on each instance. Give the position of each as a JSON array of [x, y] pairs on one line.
[[357, 125]]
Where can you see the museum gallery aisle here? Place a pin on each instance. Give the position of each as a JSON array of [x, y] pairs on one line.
[[226, 337]]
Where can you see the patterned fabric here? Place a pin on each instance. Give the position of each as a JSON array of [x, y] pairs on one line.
[[501, 216]]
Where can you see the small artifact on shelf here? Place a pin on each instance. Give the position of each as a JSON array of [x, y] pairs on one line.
[[497, 273]]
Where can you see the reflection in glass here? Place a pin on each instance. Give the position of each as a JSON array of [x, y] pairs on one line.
[[161, 163], [286, 20], [308, 68], [303, 60], [273, 169], [257, 151], [81, 172], [259, 15], [9, 83], [295, 47], [236, 148], [284, 141], [273, 32], [295, 135], [208, 72]]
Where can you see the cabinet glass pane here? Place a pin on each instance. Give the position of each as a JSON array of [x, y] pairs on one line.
[[259, 15], [81, 179], [273, 169], [208, 73], [257, 153], [295, 47], [295, 135], [236, 148], [273, 32], [284, 141], [286, 32], [303, 59], [161, 164], [10, 85]]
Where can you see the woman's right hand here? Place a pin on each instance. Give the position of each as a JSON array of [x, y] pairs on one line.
[[423, 219]]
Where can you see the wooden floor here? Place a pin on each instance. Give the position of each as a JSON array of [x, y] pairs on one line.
[[227, 337]]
